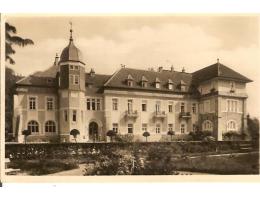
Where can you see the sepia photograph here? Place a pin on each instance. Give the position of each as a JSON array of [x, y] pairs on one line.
[[123, 95]]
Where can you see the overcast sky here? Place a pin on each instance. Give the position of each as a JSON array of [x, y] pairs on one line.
[[145, 41]]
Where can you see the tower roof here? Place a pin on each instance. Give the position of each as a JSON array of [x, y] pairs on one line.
[[71, 52]]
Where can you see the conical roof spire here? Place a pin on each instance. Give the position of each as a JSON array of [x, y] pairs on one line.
[[71, 38]]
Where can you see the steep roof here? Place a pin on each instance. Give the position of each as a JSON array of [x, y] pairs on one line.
[[119, 78], [217, 70], [37, 81], [94, 84], [50, 72]]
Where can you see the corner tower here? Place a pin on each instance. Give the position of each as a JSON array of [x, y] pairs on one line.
[[71, 92]]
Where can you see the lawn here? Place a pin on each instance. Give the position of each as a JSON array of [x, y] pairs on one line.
[[226, 165]]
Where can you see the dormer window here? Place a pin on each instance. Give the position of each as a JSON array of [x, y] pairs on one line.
[[130, 80], [183, 86], [170, 84], [76, 67], [144, 81], [157, 83], [71, 67]]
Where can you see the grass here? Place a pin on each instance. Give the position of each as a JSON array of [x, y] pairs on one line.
[[226, 165], [43, 167]]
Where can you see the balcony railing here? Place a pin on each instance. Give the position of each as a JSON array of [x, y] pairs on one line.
[[160, 114], [185, 115], [131, 113]]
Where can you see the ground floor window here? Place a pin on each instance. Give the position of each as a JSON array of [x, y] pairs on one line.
[[33, 126], [74, 116], [207, 125], [170, 127], [158, 128], [50, 127], [182, 128], [144, 127], [115, 127], [130, 128], [231, 126]]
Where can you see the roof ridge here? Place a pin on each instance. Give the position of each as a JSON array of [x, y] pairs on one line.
[[113, 75]]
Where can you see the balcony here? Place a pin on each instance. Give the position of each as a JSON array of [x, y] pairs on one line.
[[185, 115], [160, 114], [131, 114]]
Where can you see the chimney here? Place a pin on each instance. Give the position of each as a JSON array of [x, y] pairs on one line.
[[56, 59], [92, 72], [183, 70], [172, 68], [160, 69]]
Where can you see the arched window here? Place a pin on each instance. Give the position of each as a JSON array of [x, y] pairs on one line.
[[207, 126], [33, 126], [50, 127], [231, 126]]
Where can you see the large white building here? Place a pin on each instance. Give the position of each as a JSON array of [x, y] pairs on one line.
[[131, 101]]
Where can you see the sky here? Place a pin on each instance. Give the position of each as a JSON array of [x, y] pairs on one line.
[[192, 42]]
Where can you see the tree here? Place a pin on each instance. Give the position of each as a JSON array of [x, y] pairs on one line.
[[146, 135], [74, 133], [12, 39], [171, 133], [253, 127], [26, 133], [10, 80], [111, 134]]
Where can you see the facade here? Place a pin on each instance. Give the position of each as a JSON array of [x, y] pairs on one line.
[[52, 103]]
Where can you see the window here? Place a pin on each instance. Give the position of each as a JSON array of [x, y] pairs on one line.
[[93, 104], [50, 103], [144, 106], [130, 128], [158, 106], [50, 127], [130, 83], [71, 67], [231, 126], [206, 106], [232, 105], [65, 115], [232, 86], [144, 127], [76, 79], [170, 107], [130, 105], [88, 104], [158, 128], [74, 115], [98, 104], [170, 86], [194, 109], [115, 127], [170, 127], [144, 84], [157, 85], [33, 126], [182, 107], [182, 128], [207, 126], [115, 104], [76, 67], [32, 103]]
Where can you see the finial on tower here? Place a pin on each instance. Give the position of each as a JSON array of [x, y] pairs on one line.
[[218, 60], [71, 39]]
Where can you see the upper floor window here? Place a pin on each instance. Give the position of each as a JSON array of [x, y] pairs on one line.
[[144, 105], [232, 105], [33, 126], [76, 67], [182, 107], [170, 107], [32, 103], [93, 104], [232, 86], [50, 103], [231, 126], [50, 127], [115, 104], [74, 115], [158, 128], [76, 79], [158, 106], [65, 112], [194, 108], [115, 127]]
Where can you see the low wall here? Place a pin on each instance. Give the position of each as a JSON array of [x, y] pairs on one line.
[[65, 150]]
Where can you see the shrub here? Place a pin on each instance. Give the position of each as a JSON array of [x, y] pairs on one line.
[[232, 135], [146, 135], [111, 134], [171, 133], [124, 138]]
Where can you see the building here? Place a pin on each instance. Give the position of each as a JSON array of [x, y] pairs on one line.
[[131, 101]]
